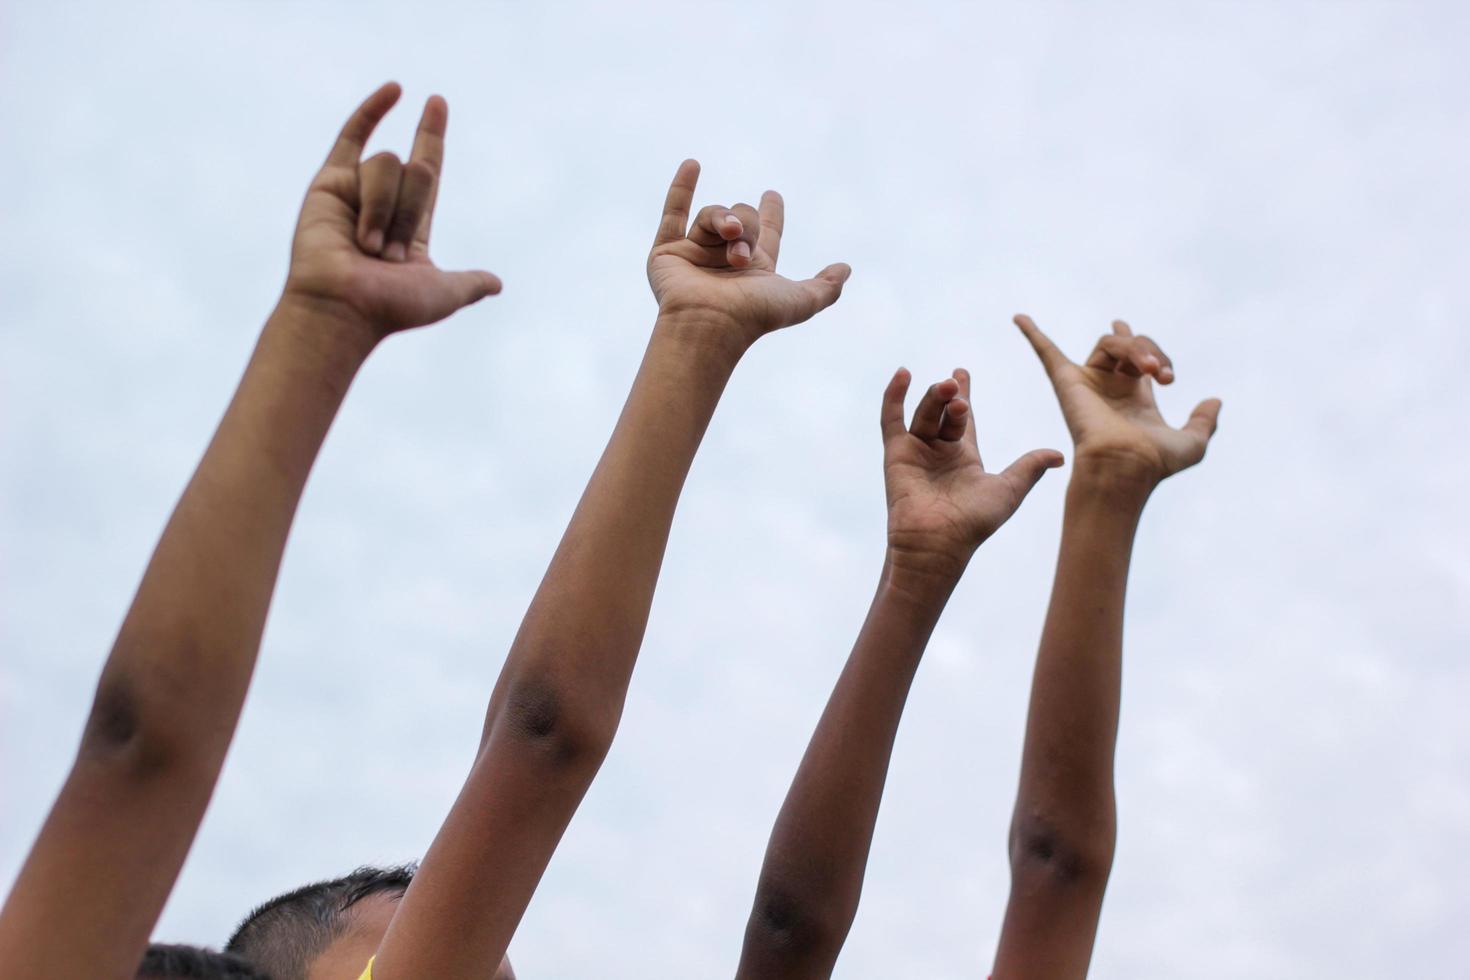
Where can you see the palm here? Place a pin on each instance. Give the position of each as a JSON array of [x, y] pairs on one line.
[[1111, 414], [327, 259], [940, 493], [362, 241], [940, 498], [723, 268], [1109, 405], [756, 295]]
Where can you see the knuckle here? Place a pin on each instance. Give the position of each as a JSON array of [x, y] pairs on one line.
[[376, 213], [420, 170]]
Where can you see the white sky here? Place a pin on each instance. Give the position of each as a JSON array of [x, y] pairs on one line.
[[1276, 192]]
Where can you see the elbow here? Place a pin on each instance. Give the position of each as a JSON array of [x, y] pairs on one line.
[[129, 733], [1048, 852], [789, 929], [546, 721]]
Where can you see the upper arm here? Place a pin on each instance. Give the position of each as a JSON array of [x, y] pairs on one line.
[[95, 881], [478, 877]]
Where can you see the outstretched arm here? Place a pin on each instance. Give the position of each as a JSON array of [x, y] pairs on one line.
[[560, 695], [172, 688], [941, 506], [1062, 832]]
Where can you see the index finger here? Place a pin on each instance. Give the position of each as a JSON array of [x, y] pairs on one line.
[[360, 125], [676, 205], [1052, 359], [891, 418]]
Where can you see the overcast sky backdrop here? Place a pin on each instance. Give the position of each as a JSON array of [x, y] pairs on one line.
[[1276, 192]]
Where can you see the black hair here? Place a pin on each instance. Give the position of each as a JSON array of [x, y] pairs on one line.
[[164, 961], [288, 933]]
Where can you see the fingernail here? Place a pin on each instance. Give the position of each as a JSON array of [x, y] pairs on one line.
[[374, 243], [395, 252], [740, 250], [1165, 373]]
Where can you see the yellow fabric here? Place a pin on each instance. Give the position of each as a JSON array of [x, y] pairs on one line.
[[368, 973]]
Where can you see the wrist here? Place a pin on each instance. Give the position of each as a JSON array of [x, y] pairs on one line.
[[705, 331], [922, 574], [1123, 479], [1107, 497], [321, 333]]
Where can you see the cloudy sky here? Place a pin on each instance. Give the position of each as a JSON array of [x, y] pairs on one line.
[[1276, 192]]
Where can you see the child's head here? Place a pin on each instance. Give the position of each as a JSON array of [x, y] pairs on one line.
[[326, 930], [324, 921], [165, 962]]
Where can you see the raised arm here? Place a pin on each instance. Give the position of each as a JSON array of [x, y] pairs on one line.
[[1063, 829], [557, 703], [941, 506], [172, 688]]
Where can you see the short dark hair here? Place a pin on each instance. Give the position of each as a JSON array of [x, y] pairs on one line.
[[288, 933], [165, 961]]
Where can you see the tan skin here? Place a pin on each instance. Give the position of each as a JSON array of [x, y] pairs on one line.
[[1064, 826], [942, 505], [557, 703], [171, 691], [368, 923]]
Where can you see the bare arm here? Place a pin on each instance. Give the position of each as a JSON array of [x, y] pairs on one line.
[[172, 688], [1063, 829], [941, 506], [557, 703]]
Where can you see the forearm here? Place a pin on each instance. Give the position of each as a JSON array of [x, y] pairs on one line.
[[187, 647], [1066, 791], [1064, 825], [173, 685], [811, 880], [581, 635], [556, 706]]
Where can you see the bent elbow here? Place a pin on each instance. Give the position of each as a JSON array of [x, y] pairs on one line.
[[792, 930], [544, 719], [131, 734], [1043, 849]]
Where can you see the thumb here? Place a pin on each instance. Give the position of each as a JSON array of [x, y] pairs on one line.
[[1204, 419], [467, 287], [1027, 471], [820, 291]]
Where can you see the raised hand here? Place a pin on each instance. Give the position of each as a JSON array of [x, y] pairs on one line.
[[941, 502], [1109, 405], [723, 269], [361, 249]]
